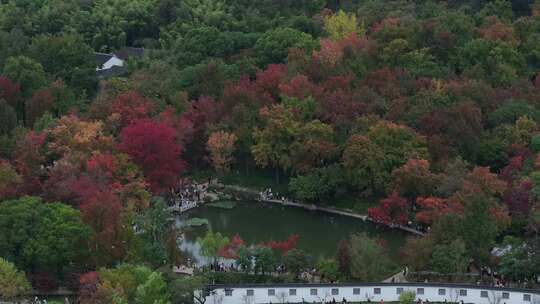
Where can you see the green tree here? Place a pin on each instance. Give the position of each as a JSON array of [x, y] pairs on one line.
[[477, 227], [42, 236], [499, 8], [363, 163], [369, 262], [245, 258], [460, 24], [125, 278], [273, 46], [9, 178], [60, 237], [329, 269], [12, 43], [272, 143], [392, 52], [265, 259], [421, 63], [295, 261], [202, 42], [26, 72], [318, 185], [182, 289], [449, 258], [207, 78], [496, 61], [13, 283], [46, 121], [407, 297], [211, 243], [160, 80], [533, 225], [153, 291], [535, 177], [518, 263], [198, 44], [212, 12], [417, 252], [511, 111], [369, 160], [155, 227], [8, 118], [7, 143], [117, 23], [494, 146], [66, 57]]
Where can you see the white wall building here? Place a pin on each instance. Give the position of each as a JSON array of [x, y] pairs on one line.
[[111, 62], [113, 65], [320, 293]]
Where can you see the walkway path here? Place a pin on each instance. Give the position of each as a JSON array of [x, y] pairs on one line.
[[313, 207], [183, 269]]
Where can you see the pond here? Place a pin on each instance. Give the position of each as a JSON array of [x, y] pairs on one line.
[[258, 222]]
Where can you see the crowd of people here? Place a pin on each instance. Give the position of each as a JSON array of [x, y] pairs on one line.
[[327, 301], [187, 195], [37, 300], [268, 195], [222, 267]]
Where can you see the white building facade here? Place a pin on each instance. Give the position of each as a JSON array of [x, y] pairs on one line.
[[113, 61], [388, 292]]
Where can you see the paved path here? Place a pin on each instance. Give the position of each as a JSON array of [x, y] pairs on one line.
[[182, 269]]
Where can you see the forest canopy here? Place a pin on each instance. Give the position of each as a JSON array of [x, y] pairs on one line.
[[423, 113]]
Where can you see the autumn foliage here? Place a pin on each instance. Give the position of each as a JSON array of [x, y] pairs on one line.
[[154, 147], [391, 210], [230, 251], [432, 209], [283, 246], [430, 118], [221, 147]]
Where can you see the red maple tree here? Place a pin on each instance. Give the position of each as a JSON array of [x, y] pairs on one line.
[[154, 147], [433, 208], [9, 91], [230, 251], [131, 106], [284, 246], [391, 210], [103, 213]]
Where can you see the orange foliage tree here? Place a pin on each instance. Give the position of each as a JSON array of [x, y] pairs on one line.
[[221, 147]]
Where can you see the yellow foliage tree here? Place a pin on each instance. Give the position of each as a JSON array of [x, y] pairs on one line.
[[221, 147], [78, 138], [13, 283], [341, 25]]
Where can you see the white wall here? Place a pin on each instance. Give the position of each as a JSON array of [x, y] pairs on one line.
[[388, 292], [114, 61]]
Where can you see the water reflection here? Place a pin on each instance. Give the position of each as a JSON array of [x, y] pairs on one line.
[[259, 222]]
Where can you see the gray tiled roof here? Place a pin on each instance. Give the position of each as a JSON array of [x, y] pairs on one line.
[[114, 71], [101, 58]]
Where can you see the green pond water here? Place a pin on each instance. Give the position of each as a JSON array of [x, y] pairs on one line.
[[258, 222]]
